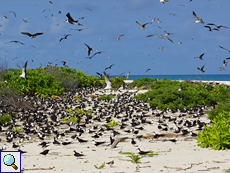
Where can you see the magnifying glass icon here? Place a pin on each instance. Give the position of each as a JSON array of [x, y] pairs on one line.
[[9, 160]]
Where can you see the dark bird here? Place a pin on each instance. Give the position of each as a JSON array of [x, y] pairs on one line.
[[141, 26], [99, 74], [98, 143], [15, 42], [225, 63], [81, 140], [76, 154], [44, 144], [173, 140], [89, 49], [24, 71], [13, 13], [200, 57], [95, 54], [64, 63], [217, 27], [14, 145], [50, 2], [109, 67], [45, 152], [143, 152], [210, 29], [64, 37], [201, 69], [225, 49], [22, 152], [70, 19], [32, 35], [197, 19], [66, 143], [133, 142], [147, 70], [56, 142], [110, 163]]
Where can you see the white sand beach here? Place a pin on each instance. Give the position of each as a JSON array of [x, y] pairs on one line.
[[181, 156]]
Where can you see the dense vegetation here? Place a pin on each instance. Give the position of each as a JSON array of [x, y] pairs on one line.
[[165, 94]]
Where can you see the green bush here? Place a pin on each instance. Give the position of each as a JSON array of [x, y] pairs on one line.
[[106, 97], [112, 123], [5, 118], [142, 82], [216, 136]]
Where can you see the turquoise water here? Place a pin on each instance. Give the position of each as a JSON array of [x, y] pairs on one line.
[[223, 77]]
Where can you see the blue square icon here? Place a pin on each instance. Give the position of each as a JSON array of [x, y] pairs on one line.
[[10, 161]]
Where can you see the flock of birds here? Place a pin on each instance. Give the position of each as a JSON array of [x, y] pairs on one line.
[[41, 120], [75, 21]]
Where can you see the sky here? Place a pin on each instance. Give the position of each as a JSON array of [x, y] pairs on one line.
[[104, 20]]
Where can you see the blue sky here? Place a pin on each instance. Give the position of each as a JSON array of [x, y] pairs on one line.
[[108, 19]]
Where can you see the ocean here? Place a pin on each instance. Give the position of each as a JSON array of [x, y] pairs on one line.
[[211, 77]]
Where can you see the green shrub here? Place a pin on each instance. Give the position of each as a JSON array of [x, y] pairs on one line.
[[134, 158], [142, 82], [106, 97], [112, 123], [216, 136], [5, 118], [70, 118]]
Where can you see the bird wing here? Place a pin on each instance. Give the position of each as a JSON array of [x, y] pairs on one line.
[[151, 35], [120, 36], [169, 39], [24, 68], [138, 24], [26, 33], [208, 27], [224, 48], [108, 82], [13, 13], [194, 15], [69, 17], [40, 33]]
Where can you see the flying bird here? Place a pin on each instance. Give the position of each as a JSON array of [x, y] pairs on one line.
[[127, 76], [107, 81], [31, 35], [64, 63], [13, 13], [64, 37], [24, 71], [70, 19], [201, 69], [197, 19], [221, 68], [225, 63], [163, 1], [95, 54], [200, 57], [89, 49], [109, 67], [118, 38], [147, 70], [141, 26], [225, 49], [25, 20], [99, 74], [15, 42], [217, 27], [210, 29]]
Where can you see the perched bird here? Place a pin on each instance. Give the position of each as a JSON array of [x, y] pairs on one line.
[[81, 140], [110, 163], [66, 143], [200, 57], [197, 19], [143, 152], [201, 69], [89, 49], [141, 26], [70, 19], [173, 140], [224, 49], [64, 37], [32, 35], [118, 38], [76, 154], [108, 82], [133, 142], [45, 152], [24, 71], [98, 143]]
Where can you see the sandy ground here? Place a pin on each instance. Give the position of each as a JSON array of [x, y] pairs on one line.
[[181, 156]]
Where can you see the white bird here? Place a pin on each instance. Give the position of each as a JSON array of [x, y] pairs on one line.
[[197, 19], [108, 82], [128, 75], [141, 26], [24, 71], [163, 1]]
